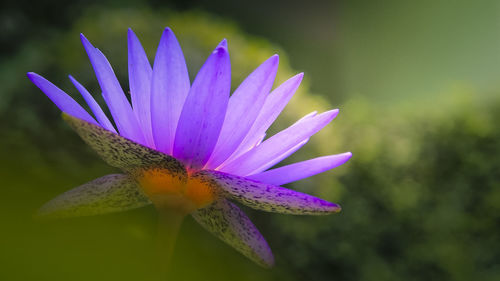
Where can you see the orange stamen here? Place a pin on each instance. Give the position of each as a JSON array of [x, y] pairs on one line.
[[168, 191]]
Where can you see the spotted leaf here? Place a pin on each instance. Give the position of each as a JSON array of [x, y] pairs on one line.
[[266, 197], [226, 221], [123, 153], [108, 194]]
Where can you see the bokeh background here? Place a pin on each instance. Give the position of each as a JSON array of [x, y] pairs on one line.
[[417, 83]]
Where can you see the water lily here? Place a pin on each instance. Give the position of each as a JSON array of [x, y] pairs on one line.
[[192, 148]]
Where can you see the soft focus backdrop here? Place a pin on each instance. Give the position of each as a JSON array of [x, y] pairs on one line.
[[418, 87]]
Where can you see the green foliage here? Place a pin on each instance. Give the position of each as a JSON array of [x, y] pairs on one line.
[[420, 199]]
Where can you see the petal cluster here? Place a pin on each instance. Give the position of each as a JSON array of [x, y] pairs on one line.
[[192, 145]]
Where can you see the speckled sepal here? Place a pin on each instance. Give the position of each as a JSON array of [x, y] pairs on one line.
[[111, 193], [123, 153], [226, 221], [266, 197]]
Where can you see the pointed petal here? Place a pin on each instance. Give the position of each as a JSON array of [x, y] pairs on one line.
[[203, 113], [226, 221], [120, 109], [301, 170], [278, 144], [274, 104], [223, 43], [139, 76], [278, 159], [108, 194], [94, 106], [169, 88], [266, 197], [122, 153], [259, 141], [242, 110], [64, 102]]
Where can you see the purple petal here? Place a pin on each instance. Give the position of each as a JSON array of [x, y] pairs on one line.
[[108, 194], [139, 75], [122, 113], [169, 89], [242, 110], [223, 43], [226, 221], [94, 106], [60, 98], [122, 153], [301, 170], [278, 144], [278, 159], [267, 197], [307, 116], [274, 104], [203, 113]]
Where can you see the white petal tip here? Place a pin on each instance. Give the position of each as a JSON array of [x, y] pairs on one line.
[[346, 156], [223, 43]]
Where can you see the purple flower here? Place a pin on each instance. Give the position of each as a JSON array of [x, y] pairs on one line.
[[191, 147]]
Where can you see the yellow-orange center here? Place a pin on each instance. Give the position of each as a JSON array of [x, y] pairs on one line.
[[169, 191]]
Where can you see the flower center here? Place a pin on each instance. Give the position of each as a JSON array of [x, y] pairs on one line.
[[170, 191]]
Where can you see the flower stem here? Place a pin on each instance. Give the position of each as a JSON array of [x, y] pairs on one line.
[[169, 223]]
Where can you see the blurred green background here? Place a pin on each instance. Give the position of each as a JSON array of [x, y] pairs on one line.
[[418, 89]]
